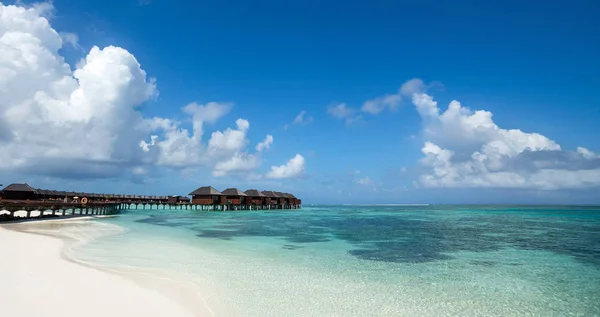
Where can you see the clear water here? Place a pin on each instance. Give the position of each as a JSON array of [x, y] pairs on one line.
[[368, 261]]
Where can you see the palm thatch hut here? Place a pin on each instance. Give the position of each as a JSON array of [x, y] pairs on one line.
[[19, 192], [270, 198], [234, 196], [294, 199], [281, 199], [207, 195], [255, 197]]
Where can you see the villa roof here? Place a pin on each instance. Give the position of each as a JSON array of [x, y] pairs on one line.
[[269, 193], [205, 190], [19, 188], [290, 195], [254, 193], [233, 192]]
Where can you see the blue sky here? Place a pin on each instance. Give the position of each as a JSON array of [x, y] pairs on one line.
[[533, 66]]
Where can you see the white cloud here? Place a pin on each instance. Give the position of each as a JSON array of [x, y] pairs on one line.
[[294, 167], [303, 118], [225, 152], [412, 86], [466, 148], [342, 111], [366, 181], [239, 162], [375, 106], [70, 38], [139, 170], [85, 122], [392, 101], [82, 119], [266, 144], [231, 140]]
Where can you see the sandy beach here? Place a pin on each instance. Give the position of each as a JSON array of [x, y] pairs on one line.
[[37, 281]]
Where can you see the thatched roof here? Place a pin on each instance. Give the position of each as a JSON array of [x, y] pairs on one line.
[[233, 192], [291, 195], [43, 192], [205, 191], [19, 188], [269, 193], [254, 193]]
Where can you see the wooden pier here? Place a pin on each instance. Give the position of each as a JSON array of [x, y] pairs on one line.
[[58, 208], [22, 197]]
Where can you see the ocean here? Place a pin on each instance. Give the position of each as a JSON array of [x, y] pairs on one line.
[[358, 260]]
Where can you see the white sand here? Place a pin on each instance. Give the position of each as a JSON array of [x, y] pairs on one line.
[[36, 281]]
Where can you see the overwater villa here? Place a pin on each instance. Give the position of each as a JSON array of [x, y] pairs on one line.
[[22, 196], [234, 199]]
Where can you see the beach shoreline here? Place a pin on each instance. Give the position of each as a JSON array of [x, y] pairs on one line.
[[35, 269]]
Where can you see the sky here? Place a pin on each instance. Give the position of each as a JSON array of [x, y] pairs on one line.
[[337, 102]]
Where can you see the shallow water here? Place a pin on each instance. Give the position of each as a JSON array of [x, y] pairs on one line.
[[369, 260]]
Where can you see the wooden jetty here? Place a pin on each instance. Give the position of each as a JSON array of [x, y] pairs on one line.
[[58, 208], [17, 197]]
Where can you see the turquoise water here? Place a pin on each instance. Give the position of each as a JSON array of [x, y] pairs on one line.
[[369, 260]]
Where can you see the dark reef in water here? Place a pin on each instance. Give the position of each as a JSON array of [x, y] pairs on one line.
[[415, 236]]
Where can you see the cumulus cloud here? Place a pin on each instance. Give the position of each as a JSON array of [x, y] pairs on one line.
[[65, 122], [294, 167], [467, 148], [225, 152], [266, 144], [50, 112]]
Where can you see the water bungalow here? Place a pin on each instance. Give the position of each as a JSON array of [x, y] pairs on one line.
[[235, 198], [207, 196], [16, 197], [18, 192], [282, 199], [255, 198]]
